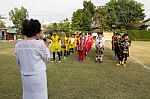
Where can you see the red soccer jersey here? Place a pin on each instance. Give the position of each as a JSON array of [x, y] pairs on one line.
[[81, 44]]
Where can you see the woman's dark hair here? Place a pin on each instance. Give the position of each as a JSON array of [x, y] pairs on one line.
[[31, 27]]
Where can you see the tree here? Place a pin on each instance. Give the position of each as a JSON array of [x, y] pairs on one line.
[[76, 20], [17, 16], [64, 26], [2, 23], [87, 15], [88, 5], [125, 14], [100, 18], [86, 21], [82, 18]]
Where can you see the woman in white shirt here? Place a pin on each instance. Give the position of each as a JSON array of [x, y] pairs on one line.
[[31, 55]]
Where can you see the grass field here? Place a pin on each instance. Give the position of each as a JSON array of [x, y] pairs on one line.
[[73, 80]]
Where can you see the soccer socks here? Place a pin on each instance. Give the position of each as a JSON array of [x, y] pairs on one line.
[[58, 53], [53, 56]]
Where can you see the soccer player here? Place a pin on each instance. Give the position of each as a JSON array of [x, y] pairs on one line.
[[72, 43], [99, 45], [90, 41], [118, 48], [126, 43], [80, 48], [55, 46]]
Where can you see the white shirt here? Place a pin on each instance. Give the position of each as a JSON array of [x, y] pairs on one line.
[[99, 42], [72, 40], [31, 56]]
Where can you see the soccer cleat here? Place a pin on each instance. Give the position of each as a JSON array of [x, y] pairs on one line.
[[59, 61], [64, 57], [52, 61], [124, 65], [118, 64]]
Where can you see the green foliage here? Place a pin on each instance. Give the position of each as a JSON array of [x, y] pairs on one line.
[[123, 14], [76, 19], [82, 18], [2, 23], [17, 16], [47, 28], [88, 5], [126, 14], [64, 26], [100, 17], [137, 35], [86, 21]]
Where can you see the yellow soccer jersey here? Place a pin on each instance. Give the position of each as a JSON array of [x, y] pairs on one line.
[[67, 42], [75, 45], [55, 43]]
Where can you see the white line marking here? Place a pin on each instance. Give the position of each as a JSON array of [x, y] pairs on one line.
[[139, 47], [146, 67]]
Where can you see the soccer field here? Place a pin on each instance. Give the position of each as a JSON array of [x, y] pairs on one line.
[[90, 80]]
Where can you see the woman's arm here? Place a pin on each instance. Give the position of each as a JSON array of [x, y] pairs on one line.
[[44, 51]]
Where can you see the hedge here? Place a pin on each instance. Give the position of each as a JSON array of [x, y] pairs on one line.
[[137, 35]]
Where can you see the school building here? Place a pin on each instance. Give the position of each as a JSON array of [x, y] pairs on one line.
[[146, 24], [8, 34]]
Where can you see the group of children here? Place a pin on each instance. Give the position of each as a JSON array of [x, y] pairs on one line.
[[120, 46], [78, 42], [66, 44], [84, 44], [81, 43]]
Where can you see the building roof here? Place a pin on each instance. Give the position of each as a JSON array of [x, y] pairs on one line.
[[146, 22], [11, 30]]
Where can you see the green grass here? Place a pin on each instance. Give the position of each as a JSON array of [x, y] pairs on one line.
[[73, 80]]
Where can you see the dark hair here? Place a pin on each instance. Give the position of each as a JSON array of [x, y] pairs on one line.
[[80, 34], [90, 33], [85, 33], [100, 33], [31, 27], [118, 34], [124, 35], [55, 31]]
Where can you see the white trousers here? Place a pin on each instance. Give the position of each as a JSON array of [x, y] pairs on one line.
[[35, 86]]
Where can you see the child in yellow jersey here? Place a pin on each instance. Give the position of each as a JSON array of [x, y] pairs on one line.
[[63, 45], [55, 47], [76, 39], [67, 44], [72, 43]]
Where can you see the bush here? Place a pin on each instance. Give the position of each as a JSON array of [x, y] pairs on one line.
[[137, 35]]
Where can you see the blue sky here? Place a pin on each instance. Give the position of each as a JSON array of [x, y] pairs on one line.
[[52, 10]]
